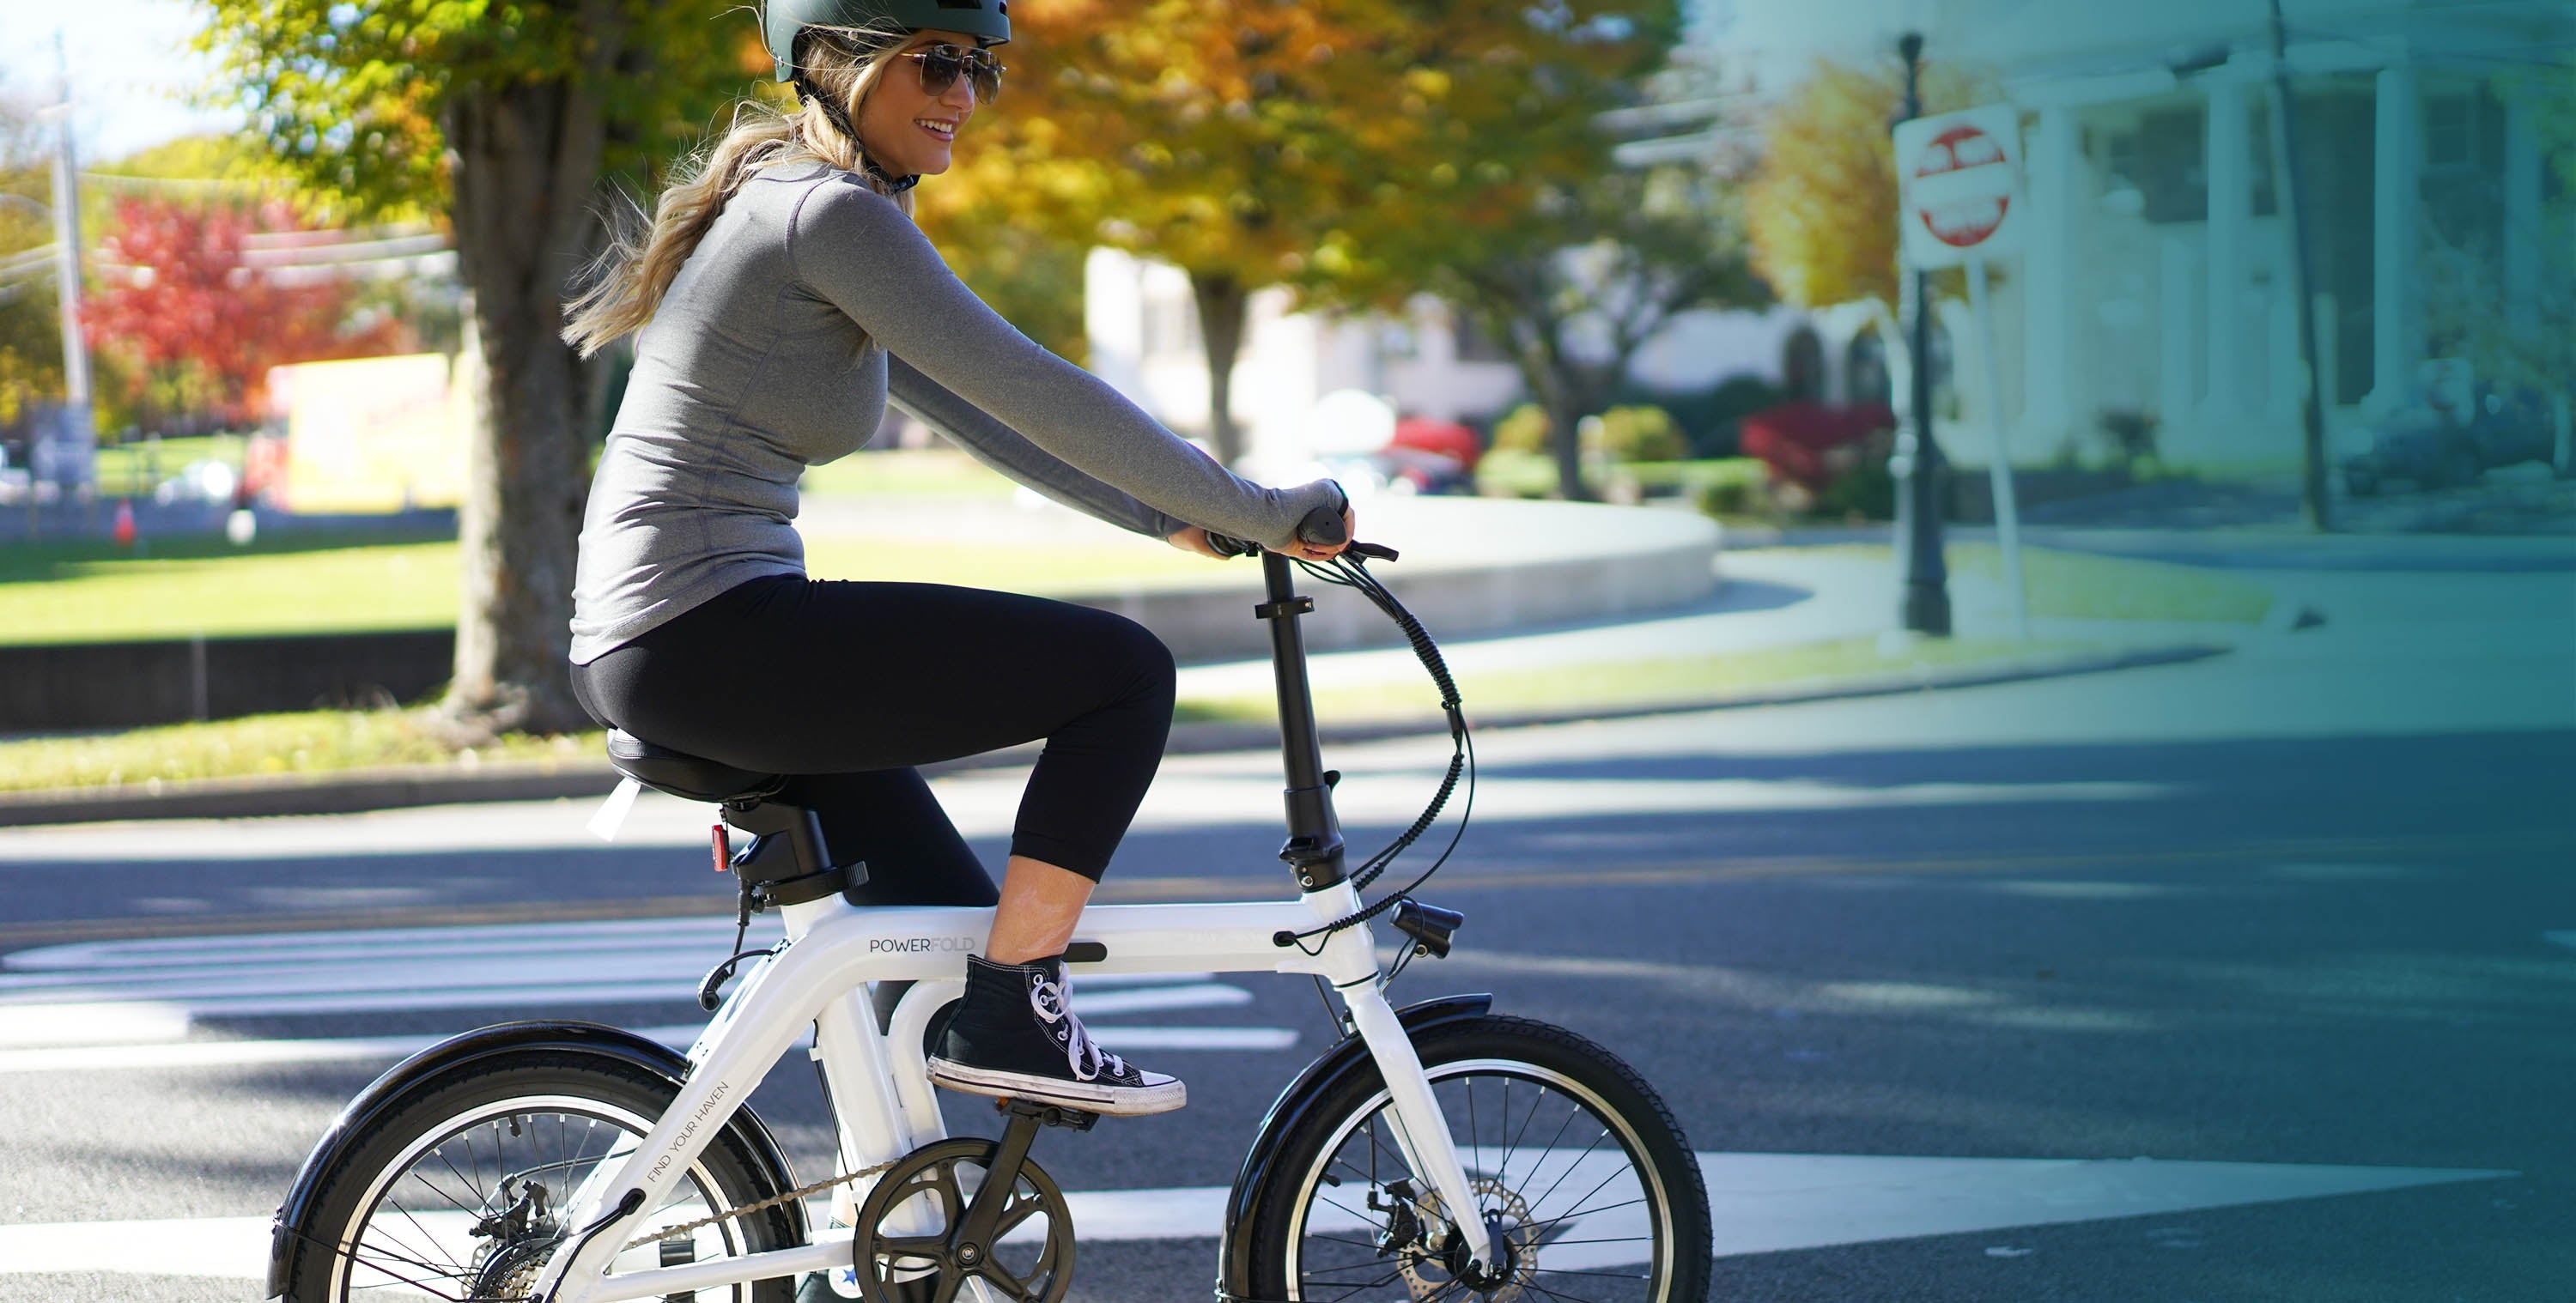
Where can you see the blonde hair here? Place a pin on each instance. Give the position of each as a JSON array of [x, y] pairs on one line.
[[626, 283]]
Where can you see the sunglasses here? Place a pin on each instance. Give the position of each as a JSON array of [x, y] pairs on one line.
[[942, 65]]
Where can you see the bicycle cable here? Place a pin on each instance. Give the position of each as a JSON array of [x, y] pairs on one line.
[[1351, 572]]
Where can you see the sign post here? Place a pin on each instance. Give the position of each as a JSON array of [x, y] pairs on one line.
[[1960, 203]]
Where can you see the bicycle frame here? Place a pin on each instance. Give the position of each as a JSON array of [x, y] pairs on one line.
[[880, 1091]]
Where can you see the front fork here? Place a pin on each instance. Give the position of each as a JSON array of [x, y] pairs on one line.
[[1421, 1133]]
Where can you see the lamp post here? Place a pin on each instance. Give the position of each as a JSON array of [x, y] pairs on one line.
[[2285, 150], [1917, 463]]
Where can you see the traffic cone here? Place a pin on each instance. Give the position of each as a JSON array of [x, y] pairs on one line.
[[123, 533]]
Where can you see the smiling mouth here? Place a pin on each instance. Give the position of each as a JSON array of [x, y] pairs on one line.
[[937, 129]]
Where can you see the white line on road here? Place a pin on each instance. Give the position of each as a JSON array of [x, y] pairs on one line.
[[984, 803], [1763, 1203], [150, 990], [227, 1054]]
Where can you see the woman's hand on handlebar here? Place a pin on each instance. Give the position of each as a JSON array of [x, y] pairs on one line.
[[1303, 550], [1194, 539]]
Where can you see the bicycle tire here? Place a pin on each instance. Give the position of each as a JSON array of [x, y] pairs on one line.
[[342, 1250], [1473, 1063]]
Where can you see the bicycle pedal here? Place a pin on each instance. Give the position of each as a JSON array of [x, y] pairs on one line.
[[1047, 1115]]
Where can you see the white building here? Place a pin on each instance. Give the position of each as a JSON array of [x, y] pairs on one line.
[[2158, 279]]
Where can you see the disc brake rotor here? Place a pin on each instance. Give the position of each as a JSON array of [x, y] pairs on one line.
[[1428, 1273]]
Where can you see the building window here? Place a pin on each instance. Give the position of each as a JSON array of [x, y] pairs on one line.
[[2450, 131]]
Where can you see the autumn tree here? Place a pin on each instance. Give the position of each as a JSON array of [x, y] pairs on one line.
[[31, 342], [1200, 132], [1821, 208], [1507, 202], [197, 327], [502, 120]]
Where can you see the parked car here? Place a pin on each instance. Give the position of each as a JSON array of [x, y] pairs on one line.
[[2435, 449]]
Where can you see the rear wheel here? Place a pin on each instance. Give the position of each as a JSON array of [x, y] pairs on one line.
[[466, 1189], [1582, 1177]]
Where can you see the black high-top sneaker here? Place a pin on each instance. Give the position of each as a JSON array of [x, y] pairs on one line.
[[1013, 1036]]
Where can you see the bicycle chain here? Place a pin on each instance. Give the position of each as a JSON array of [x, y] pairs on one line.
[[771, 1202]]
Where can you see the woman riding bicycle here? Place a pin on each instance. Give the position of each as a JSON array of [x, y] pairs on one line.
[[783, 295]]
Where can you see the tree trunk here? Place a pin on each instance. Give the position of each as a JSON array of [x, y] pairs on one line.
[[527, 158], [1221, 302]]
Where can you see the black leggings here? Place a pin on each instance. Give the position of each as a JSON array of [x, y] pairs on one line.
[[847, 686]]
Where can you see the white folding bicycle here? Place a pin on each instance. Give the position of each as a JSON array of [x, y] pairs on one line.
[[1437, 1151]]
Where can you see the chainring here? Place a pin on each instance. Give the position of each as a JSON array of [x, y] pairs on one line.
[[933, 1186]]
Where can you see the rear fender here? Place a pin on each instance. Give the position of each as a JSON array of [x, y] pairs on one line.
[[416, 1072]]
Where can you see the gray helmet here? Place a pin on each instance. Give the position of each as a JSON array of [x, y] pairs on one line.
[[988, 21]]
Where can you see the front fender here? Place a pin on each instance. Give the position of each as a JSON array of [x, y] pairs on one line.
[[1348, 1055], [387, 1091]]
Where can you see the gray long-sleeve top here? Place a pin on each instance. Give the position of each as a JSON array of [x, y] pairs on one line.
[[753, 368]]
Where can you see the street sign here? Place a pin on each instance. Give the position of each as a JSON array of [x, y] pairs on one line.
[[1959, 190]]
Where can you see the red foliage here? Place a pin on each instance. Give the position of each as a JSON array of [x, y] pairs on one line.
[[1810, 443], [1447, 438], [173, 290]]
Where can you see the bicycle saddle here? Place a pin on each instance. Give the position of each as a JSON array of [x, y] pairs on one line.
[[688, 777]]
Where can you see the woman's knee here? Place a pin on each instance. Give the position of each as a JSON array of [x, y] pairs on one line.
[[1144, 665]]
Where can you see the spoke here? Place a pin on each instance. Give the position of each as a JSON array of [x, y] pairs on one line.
[[1606, 1275], [1580, 1211], [1624, 1239], [1577, 1210], [1014, 1214], [1387, 1279], [1552, 1293], [1573, 1167], [934, 1247], [1370, 1218]]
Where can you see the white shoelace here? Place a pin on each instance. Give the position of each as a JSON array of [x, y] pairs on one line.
[[1086, 1059]]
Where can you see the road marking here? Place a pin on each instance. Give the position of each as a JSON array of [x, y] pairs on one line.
[[89, 992], [986, 803], [1762, 1203], [231, 1054]]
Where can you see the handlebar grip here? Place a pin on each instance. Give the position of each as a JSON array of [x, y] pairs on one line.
[[1323, 527]]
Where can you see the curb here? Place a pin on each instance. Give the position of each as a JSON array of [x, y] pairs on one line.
[[387, 789]]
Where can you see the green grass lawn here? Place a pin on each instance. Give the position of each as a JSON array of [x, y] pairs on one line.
[[1581, 686], [306, 742], [135, 469], [176, 589], [2081, 585]]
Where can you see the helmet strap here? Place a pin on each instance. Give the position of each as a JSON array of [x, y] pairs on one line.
[[841, 120]]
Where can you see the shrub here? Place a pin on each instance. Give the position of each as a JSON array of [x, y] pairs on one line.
[[1515, 473], [1733, 488], [1525, 429], [1633, 434]]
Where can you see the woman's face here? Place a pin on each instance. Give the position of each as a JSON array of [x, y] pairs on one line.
[[907, 132]]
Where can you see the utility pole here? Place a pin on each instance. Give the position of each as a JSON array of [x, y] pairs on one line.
[[67, 280], [2285, 152], [1917, 463]]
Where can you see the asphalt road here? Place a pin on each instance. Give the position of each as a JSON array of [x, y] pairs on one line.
[[2296, 926]]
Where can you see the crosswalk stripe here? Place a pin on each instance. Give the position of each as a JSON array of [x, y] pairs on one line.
[[347, 1049]]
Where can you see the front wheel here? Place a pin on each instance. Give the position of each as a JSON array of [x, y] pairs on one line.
[[464, 1190], [1581, 1175]]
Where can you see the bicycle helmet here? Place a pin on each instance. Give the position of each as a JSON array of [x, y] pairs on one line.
[[988, 21]]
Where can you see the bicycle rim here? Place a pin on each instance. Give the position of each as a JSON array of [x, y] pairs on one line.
[[426, 1229], [1560, 1176]]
